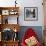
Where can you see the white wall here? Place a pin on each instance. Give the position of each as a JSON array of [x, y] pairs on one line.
[[26, 3], [7, 3], [31, 3]]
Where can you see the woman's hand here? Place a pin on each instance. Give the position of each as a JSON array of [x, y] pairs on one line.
[[32, 41]]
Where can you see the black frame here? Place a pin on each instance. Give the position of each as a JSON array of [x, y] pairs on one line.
[[36, 9]]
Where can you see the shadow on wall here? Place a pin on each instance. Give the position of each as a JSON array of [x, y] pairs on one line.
[[37, 29]]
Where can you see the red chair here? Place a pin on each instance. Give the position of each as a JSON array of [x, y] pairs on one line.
[[29, 33]]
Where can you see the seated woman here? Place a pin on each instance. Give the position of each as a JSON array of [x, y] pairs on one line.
[[30, 38]]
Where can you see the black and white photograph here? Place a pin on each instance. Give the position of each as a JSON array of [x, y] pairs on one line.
[[30, 13]]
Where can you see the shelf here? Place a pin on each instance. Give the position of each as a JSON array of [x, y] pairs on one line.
[[4, 8], [11, 41], [6, 12], [10, 26], [9, 10], [7, 23]]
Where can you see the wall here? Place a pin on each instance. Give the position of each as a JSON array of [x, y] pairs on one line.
[[44, 21], [31, 3], [7, 3], [44, 12], [26, 3]]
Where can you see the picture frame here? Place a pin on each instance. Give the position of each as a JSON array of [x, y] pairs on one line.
[[30, 13], [13, 20], [13, 12], [10, 19], [5, 12]]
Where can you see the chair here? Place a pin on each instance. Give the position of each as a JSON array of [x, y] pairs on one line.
[[29, 33]]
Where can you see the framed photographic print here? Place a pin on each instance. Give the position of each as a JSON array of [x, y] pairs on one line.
[[5, 12], [31, 13], [12, 20]]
